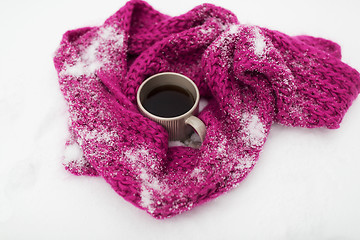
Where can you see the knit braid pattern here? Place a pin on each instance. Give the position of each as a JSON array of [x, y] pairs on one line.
[[251, 77]]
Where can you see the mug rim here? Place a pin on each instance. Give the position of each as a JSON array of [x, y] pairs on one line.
[[190, 111]]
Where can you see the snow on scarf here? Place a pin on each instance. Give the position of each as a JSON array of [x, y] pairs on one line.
[[250, 76]]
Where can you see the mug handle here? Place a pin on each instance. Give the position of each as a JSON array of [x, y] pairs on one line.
[[198, 126]]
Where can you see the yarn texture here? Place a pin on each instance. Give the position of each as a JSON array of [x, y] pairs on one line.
[[251, 77]]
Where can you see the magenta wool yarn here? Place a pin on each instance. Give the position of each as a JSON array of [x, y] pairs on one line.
[[251, 77]]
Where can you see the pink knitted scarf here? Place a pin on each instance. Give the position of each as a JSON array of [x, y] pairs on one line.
[[251, 77]]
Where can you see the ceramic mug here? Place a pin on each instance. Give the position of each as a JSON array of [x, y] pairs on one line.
[[156, 99]]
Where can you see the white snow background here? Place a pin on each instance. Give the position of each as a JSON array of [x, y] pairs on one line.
[[306, 184]]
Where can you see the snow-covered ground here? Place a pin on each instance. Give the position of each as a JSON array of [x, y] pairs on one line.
[[306, 184]]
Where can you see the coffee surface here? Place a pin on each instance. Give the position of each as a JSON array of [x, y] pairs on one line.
[[168, 101]]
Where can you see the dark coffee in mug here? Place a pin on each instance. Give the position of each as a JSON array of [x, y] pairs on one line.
[[171, 100], [168, 101]]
